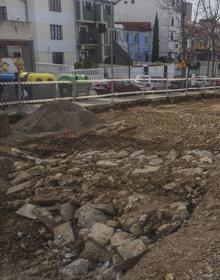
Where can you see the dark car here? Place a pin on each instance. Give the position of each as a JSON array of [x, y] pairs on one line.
[[119, 86]]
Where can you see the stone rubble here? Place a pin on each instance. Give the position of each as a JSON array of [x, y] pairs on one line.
[[99, 203]]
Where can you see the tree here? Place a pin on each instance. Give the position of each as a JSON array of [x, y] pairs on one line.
[[211, 22], [155, 46]]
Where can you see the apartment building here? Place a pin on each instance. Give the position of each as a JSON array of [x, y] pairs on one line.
[[38, 30], [16, 34], [146, 10], [54, 30]]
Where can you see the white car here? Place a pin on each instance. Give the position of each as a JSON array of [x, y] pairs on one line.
[[143, 81], [146, 82], [201, 81]]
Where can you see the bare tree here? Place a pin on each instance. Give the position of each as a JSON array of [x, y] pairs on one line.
[[211, 22]]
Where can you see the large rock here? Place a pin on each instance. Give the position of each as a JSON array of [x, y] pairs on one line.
[[182, 214], [120, 238], [63, 234], [156, 161], [88, 216], [22, 177], [19, 187], [95, 252], [190, 171], [167, 229], [27, 211], [106, 164], [45, 217], [146, 170], [136, 154], [136, 230], [105, 208], [131, 249], [67, 211], [4, 124], [101, 234], [171, 156], [77, 268]]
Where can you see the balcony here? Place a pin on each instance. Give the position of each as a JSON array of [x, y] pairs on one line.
[[15, 30], [87, 39]]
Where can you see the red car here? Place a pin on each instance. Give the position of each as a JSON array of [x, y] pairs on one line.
[[218, 82], [119, 86]]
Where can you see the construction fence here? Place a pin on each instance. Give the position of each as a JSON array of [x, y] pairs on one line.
[[12, 93]]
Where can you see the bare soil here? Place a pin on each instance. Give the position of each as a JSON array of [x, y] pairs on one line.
[[190, 253]]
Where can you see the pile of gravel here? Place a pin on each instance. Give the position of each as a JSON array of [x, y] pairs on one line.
[[59, 116]]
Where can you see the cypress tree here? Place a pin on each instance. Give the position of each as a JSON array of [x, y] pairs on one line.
[[155, 47]]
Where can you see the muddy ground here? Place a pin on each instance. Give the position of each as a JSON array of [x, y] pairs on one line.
[[161, 163]]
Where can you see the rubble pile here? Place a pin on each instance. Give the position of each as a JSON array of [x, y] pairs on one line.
[[59, 116], [99, 211]]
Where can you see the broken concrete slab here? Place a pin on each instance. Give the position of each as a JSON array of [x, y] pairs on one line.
[[63, 234], [120, 238], [21, 177], [67, 211], [28, 211], [145, 171], [45, 217], [131, 249], [19, 187], [101, 234]]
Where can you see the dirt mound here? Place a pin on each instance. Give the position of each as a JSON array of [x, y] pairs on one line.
[[4, 124], [60, 116]]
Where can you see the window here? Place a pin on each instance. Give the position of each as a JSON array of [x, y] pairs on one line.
[[176, 46], [136, 38], [125, 2], [57, 58], [108, 9], [136, 56], [171, 36], [132, 1], [146, 40], [55, 5], [172, 21], [56, 32], [88, 6], [3, 13]]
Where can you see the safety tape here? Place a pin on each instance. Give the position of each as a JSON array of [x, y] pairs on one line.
[[92, 97], [137, 80]]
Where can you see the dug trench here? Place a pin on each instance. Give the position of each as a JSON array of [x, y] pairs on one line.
[[137, 199]]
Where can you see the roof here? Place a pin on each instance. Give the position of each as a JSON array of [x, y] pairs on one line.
[[136, 26]]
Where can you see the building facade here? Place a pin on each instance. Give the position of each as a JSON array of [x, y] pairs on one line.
[[136, 39], [38, 30], [146, 10], [93, 20], [54, 30], [16, 33]]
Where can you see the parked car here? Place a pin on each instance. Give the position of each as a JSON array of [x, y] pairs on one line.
[[119, 86], [201, 81], [217, 82], [146, 82], [158, 84], [143, 81]]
